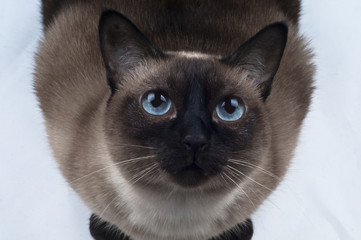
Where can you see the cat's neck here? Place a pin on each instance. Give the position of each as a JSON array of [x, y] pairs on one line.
[[101, 230]]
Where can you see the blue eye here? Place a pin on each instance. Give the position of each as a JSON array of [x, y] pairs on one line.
[[156, 103], [230, 110]]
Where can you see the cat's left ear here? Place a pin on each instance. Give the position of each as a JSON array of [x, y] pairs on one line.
[[261, 56], [123, 46]]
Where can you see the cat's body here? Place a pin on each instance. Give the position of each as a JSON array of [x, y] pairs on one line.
[[80, 107]]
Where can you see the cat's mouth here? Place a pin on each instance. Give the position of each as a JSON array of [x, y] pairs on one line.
[[192, 167], [190, 176]]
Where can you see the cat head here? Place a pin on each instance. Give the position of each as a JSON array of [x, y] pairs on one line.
[[187, 119]]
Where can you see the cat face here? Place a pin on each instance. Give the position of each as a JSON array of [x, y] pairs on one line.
[[186, 119]]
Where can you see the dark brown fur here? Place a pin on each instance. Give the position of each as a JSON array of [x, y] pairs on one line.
[[91, 111], [50, 8]]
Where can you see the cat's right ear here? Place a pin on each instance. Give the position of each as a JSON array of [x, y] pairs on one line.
[[123, 46]]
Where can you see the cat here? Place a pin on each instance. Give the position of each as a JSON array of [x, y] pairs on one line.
[[173, 120]]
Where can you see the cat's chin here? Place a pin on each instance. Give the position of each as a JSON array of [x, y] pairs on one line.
[[190, 177]]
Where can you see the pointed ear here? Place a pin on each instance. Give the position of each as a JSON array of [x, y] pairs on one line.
[[261, 56], [123, 46]]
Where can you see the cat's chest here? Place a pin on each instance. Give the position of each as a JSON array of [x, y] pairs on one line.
[[179, 215]]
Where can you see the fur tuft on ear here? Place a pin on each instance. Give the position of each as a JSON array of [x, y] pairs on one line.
[[123, 46], [261, 55]]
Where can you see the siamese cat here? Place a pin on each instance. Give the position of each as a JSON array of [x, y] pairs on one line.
[[173, 119]]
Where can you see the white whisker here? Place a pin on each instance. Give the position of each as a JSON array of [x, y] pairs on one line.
[[137, 146], [142, 173], [239, 188], [101, 214], [237, 171], [115, 164], [247, 164], [145, 173]]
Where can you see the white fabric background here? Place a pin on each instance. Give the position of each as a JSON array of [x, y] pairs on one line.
[[319, 199]]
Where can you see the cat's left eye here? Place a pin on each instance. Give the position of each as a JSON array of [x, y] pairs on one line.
[[156, 103], [230, 109]]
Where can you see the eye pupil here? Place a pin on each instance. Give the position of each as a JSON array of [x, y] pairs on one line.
[[156, 99], [230, 105]]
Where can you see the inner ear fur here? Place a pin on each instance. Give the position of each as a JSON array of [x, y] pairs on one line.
[[261, 56], [123, 46]]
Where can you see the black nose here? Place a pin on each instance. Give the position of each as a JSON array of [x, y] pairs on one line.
[[195, 143]]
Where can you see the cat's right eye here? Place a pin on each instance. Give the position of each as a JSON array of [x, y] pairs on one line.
[[156, 103]]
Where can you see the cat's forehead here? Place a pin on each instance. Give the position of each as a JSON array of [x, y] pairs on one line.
[[190, 71], [192, 55]]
